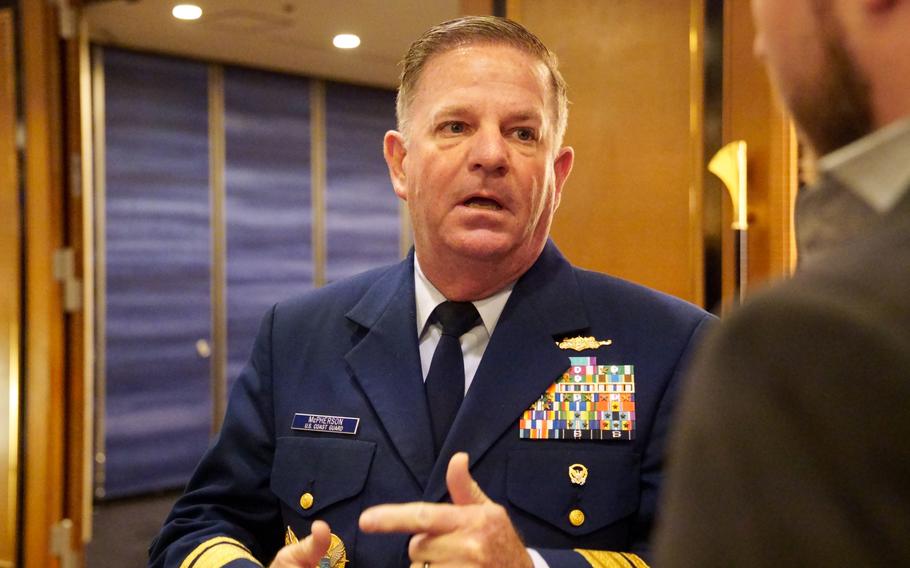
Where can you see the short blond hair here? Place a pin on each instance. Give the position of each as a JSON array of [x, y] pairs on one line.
[[478, 30]]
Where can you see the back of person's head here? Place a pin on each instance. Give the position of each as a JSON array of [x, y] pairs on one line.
[[477, 30]]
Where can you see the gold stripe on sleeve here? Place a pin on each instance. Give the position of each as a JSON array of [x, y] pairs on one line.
[[216, 552], [607, 559]]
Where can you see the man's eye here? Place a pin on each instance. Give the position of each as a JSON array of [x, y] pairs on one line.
[[525, 134], [455, 127]]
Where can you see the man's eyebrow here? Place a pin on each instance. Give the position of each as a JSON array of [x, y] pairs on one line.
[[524, 116], [515, 116], [451, 110]]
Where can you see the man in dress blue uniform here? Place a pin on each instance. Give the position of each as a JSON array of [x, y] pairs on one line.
[[482, 403], [792, 446]]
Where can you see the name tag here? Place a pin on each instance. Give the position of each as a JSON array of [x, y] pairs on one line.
[[326, 424]]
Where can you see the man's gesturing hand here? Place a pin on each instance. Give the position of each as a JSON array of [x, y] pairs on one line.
[[472, 531], [308, 552]]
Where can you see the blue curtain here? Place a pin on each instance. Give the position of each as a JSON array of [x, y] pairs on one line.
[[362, 222], [158, 403], [268, 210]]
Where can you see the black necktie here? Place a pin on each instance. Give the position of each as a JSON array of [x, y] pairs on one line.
[[445, 379]]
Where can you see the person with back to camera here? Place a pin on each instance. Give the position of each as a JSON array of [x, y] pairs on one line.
[[792, 446]]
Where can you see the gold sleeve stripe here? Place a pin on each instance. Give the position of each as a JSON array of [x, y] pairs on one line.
[[216, 552], [607, 559]]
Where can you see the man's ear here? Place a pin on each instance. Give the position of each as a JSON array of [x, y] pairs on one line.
[[394, 150], [562, 167]]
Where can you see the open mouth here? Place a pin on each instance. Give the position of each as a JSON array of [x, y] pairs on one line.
[[483, 203]]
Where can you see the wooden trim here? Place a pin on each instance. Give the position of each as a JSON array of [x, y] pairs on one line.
[[75, 336], [44, 321], [786, 171], [99, 167], [80, 327], [10, 274], [218, 361], [696, 247], [318, 179], [88, 273], [733, 53]]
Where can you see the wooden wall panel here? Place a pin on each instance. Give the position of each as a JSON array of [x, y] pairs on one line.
[[43, 390], [475, 7], [81, 322], [632, 206], [10, 293]]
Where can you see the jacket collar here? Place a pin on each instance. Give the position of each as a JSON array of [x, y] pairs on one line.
[[520, 362]]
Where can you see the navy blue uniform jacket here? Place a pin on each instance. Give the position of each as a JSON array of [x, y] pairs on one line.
[[351, 349]]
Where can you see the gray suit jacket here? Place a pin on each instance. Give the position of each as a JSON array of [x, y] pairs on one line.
[[793, 445]]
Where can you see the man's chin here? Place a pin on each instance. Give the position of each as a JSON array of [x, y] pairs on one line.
[[483, 246]]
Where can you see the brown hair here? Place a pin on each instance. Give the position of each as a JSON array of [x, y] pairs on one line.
[[472, 30]]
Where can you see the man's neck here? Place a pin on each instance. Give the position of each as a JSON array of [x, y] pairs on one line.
[[880, 45], [465, 280]]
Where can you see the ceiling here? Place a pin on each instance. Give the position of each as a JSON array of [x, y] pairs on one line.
[[286, 35]]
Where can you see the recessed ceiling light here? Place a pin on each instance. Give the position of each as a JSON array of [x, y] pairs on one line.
[[346, 41], [187, 12]]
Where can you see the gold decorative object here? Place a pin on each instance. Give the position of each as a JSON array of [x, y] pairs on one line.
[[581, 343], [578, 474], [336, 555], [729, 164], [289, 537], [306, 500], [577, 517]]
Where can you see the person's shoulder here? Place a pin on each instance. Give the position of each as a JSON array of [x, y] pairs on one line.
[[864, 279], [853, 304], [876, 264], [867, 279]]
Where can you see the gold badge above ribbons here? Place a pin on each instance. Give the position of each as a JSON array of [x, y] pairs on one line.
[[581, 343]]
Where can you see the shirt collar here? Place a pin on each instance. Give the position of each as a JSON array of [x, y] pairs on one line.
[[876, 167], [427, 297]]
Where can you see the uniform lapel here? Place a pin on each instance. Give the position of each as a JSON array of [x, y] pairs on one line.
[[520, 362], [386, 364]]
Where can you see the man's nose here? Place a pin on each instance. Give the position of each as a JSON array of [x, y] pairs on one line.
[[489, 152]]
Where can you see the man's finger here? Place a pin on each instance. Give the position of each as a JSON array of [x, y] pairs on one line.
[[462, 487], [308, 552], [435, 549], [411, 518]]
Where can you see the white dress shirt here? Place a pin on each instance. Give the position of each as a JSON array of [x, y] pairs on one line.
[[876, 167], [473, 343]]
